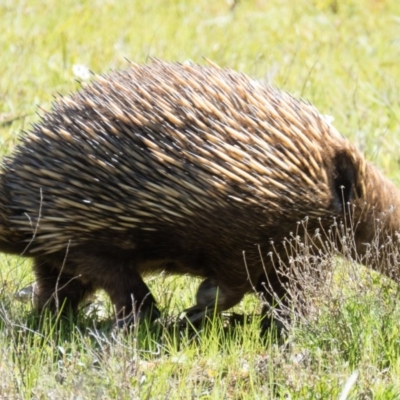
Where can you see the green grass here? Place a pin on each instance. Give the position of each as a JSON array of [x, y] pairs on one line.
[[343, 56]]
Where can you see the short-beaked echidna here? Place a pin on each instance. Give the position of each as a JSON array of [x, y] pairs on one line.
[[182, 168]]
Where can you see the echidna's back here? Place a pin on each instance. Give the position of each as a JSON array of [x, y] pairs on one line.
[[170, 145]]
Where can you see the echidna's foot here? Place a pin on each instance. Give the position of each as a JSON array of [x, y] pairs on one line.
[[213, 297], [146, 312], [270, 324], [274, 322]]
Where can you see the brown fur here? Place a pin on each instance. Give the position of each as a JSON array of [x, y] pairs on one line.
[[185, 169]]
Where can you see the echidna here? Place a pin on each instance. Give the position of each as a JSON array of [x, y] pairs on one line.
[[181, 168]]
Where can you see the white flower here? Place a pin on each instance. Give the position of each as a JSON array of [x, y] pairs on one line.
[[329, 118], [81, 72]]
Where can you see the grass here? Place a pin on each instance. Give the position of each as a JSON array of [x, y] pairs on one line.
[[343, 57]]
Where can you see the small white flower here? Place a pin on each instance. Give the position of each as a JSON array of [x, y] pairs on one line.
[[329, 118], [81, 71]]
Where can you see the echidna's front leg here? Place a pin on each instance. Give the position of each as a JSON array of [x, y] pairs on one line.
[[273, 293], [213, 296]]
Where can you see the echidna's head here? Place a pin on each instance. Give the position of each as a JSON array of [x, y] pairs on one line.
[[373, 219]]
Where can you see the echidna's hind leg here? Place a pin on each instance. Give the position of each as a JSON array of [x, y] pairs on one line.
[[213, 296], [56, 290], [115, 271], [130, 297], [62, 282]]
